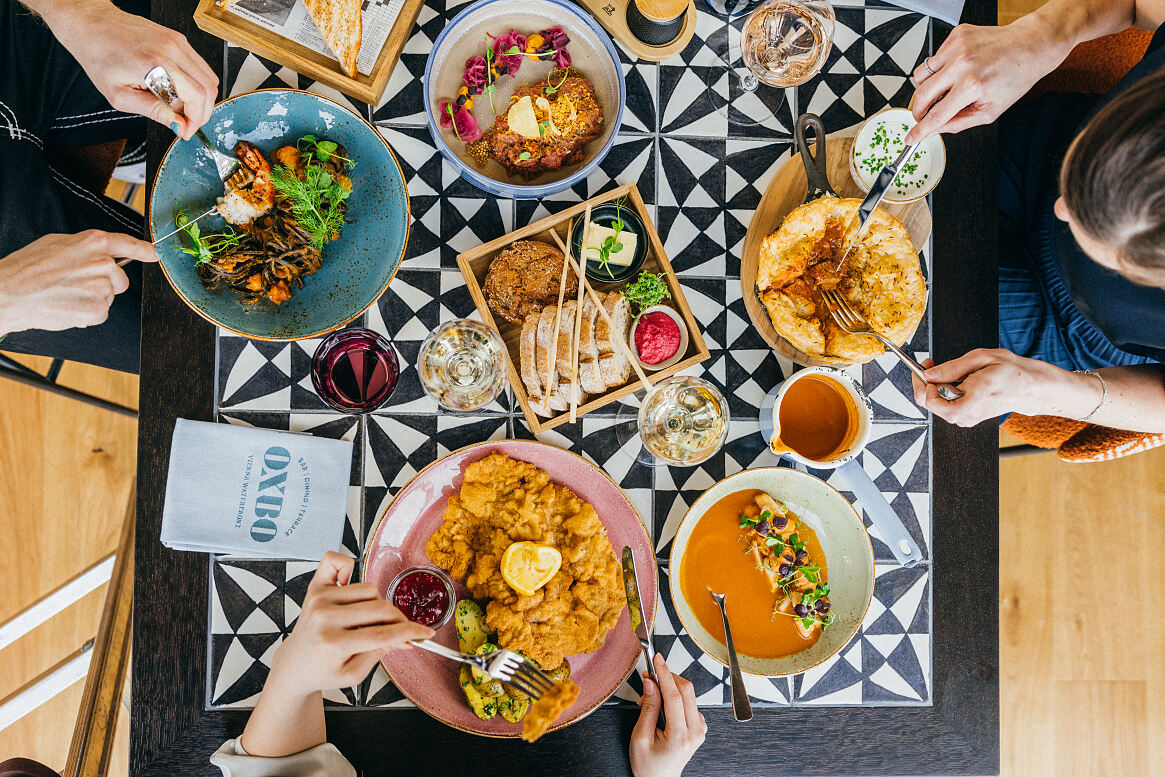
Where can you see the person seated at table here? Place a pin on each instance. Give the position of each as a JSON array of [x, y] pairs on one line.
[[1081, 220], [71, 75], [341, 634]]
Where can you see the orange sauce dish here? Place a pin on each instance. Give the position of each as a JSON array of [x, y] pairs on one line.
[[721, 556]]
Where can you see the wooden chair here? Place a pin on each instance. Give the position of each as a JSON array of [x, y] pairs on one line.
[[92, 167], [91, 746]]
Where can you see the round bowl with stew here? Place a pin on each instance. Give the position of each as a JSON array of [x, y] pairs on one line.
[[849, 562], [356, 268], [592, 53]]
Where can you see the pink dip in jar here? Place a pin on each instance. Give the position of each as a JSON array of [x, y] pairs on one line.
[[657, 338]]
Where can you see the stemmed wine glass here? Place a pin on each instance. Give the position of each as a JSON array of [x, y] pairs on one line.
[[461, 365], [681, 421], [783, 43]]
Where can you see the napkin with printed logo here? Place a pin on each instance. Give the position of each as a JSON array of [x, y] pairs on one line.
[[255, 492]]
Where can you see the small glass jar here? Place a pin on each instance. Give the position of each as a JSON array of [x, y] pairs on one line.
[[424, 594]]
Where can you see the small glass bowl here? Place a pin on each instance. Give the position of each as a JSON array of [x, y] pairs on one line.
[[440, 575]]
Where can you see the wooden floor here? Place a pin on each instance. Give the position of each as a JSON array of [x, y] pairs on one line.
[[1082, 609]]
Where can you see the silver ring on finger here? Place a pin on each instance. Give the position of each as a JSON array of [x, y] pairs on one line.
[[926, 64], [159, 82]]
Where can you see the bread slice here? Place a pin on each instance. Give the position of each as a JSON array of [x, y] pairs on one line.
[[341, 28], [614, 367], [527, 346], [566, 340], [545, 358], [590, 379]]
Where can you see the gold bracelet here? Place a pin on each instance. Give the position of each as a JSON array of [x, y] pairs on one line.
[[1103, 391]]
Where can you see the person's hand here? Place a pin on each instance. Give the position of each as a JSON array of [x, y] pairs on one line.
[[978, 73], [342, 631], [116, 49], [996, 381], [656, 753], [62, 281]]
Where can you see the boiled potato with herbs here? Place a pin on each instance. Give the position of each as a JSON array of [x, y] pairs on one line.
[[469, 619], [483, 706]]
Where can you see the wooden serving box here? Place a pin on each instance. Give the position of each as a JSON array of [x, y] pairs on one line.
[[325, 69], [475, 264]]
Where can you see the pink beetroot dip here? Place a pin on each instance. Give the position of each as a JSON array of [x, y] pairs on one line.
[[657, 338]]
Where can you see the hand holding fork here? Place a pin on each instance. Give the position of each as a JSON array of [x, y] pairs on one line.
[[854, 323]]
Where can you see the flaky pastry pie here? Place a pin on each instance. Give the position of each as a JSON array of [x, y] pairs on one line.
[[881, 278]]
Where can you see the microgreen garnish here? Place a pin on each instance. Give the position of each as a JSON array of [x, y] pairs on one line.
[[489, 75], [323, 150], [646, 290], [552, 88], [449, 110], [205, 247], [524, 156]]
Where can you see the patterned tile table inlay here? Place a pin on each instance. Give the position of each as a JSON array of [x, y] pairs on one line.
[[701, 178]]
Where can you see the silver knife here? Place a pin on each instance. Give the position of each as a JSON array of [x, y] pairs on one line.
[[635, 609], [877, 192]]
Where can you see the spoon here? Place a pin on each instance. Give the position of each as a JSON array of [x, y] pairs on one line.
[[741, 708]]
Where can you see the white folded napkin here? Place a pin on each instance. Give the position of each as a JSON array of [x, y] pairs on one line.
[[948, 11], [255, 492]]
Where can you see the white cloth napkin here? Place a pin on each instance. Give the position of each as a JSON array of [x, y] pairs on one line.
[[255, 492], [948, 11]]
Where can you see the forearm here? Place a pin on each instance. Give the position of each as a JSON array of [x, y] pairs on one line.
[[285, 721], [57, 12], [1067, 23], [1135, 399]]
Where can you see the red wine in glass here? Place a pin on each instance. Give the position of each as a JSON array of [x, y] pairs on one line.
[[355, 370]]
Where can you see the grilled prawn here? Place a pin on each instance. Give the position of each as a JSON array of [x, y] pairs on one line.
[[250, 192]]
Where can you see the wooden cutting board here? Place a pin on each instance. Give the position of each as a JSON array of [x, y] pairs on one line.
[[786, 192]]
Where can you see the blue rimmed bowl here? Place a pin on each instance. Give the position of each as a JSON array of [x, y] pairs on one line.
[[356, 269], [591, 51]]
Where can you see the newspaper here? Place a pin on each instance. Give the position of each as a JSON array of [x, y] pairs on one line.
[[290, 19]]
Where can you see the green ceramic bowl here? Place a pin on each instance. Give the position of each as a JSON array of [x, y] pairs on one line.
[[356, 269], [848, 555]]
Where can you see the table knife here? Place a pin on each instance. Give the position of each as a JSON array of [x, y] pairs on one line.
[[635, 609], [877, 192]]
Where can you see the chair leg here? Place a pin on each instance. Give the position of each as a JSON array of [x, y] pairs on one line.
[[17, 372], [92, 744]]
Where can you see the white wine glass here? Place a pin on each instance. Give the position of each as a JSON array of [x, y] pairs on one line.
[[461, 365], [781, 44], [681, 421]]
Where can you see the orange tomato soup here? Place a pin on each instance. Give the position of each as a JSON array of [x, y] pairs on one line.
[[716, 557]]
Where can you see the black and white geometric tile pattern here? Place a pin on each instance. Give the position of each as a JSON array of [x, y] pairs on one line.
[[701, 177]]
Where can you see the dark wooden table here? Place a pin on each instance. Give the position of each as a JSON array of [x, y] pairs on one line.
[[172, 733]]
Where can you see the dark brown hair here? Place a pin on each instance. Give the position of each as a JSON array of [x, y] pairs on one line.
[[1113, 179]]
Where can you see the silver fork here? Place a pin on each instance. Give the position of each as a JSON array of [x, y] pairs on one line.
[[158, 81], [504, 665], [855, 323]]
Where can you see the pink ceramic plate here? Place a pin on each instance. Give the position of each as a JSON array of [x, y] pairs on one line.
[[398, 541]]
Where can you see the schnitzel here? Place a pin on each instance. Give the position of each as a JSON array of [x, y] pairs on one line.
[[503, 501]]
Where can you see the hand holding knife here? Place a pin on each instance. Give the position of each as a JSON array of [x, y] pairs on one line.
[[878, 191], [635, 609]]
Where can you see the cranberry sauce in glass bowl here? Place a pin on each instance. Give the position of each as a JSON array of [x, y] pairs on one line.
[[424, 594]]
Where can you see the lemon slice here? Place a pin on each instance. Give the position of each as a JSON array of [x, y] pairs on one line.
[[527, 566]]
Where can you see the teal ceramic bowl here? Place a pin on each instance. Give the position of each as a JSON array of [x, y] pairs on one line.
[[356, 269]]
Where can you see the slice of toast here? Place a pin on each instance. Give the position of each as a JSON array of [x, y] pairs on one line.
[[341, 28], [546, 361], [614, 366], [588, 351], [527, 347]]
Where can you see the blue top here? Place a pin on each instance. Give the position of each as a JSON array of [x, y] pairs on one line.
[[1056, 303]]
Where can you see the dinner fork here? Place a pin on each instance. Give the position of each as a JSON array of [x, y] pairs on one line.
[[158, 81], [505, 665], [855, 323]]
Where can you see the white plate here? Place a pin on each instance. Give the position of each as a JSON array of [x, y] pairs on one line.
[[848, 555]]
